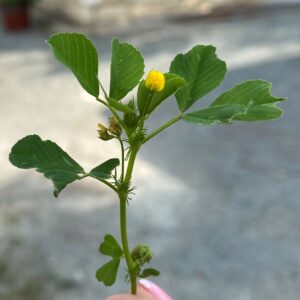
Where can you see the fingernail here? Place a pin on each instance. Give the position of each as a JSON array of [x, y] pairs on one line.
[[154, 290]]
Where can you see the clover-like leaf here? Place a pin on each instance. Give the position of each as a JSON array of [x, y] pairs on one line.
[[111, 247], [149, 272], [127, 68], [108, 272], [78, 53], [202, 70], [256, 95], [248, 101], [215, 114], [104, 170], [47, 158]]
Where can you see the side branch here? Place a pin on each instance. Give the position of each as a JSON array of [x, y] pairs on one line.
[[161, 128]]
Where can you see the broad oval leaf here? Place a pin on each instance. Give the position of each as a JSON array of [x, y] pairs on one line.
[[256, 95], [108, 272], [47, 158], [149, 272], [104, 170], [127, 68], [78, 53], [215, 114], [111, 247], [202, 70]]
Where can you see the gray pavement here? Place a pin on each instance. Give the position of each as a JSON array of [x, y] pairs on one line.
[[219, 205]]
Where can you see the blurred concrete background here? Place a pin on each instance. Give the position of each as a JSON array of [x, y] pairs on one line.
[[219, 205]]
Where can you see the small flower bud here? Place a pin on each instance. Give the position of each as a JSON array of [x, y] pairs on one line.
[[141, 254], [155, 81], [103, 133], [114, 126], [130, 118]]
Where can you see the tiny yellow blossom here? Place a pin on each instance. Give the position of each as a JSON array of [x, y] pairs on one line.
[[155, 81]]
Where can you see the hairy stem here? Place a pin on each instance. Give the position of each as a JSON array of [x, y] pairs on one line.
[[130, 263], [123, 221]]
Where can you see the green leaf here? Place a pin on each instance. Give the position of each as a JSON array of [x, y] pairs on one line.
[[111, 247], [256, 95], [202, 70], [104, 170], [143, 96], [149, 272], [260, 113], [127, 68], [47, 158], [78, 53], [108, 272], [215, 114], [173, 83]]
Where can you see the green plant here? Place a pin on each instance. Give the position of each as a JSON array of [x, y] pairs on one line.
[[192, 75]]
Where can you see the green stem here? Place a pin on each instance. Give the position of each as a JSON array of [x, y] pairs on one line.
[[161, 128], [130, 263], [130, 165], [122, 158], [123, 222]]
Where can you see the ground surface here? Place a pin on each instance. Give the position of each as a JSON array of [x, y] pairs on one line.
[[219, 205]]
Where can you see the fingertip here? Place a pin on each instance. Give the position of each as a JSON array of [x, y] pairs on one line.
[[154, 290]]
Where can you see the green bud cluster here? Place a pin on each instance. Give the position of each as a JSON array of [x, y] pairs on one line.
[[114, 130], [141, 254], [131, 119]]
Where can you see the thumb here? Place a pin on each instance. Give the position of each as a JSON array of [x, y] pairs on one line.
[[147, 288]]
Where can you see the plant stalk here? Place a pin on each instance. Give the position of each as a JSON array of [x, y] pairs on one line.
[[130, 263], [161, 128], [123, 222]]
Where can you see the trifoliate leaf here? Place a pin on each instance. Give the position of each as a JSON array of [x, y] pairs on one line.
[[256, 95], [47, 158], [248, 101]]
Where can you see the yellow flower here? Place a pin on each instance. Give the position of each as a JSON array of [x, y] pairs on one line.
[[155, 81]]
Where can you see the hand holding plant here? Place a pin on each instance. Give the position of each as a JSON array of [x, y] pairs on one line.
[[192, 75]]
